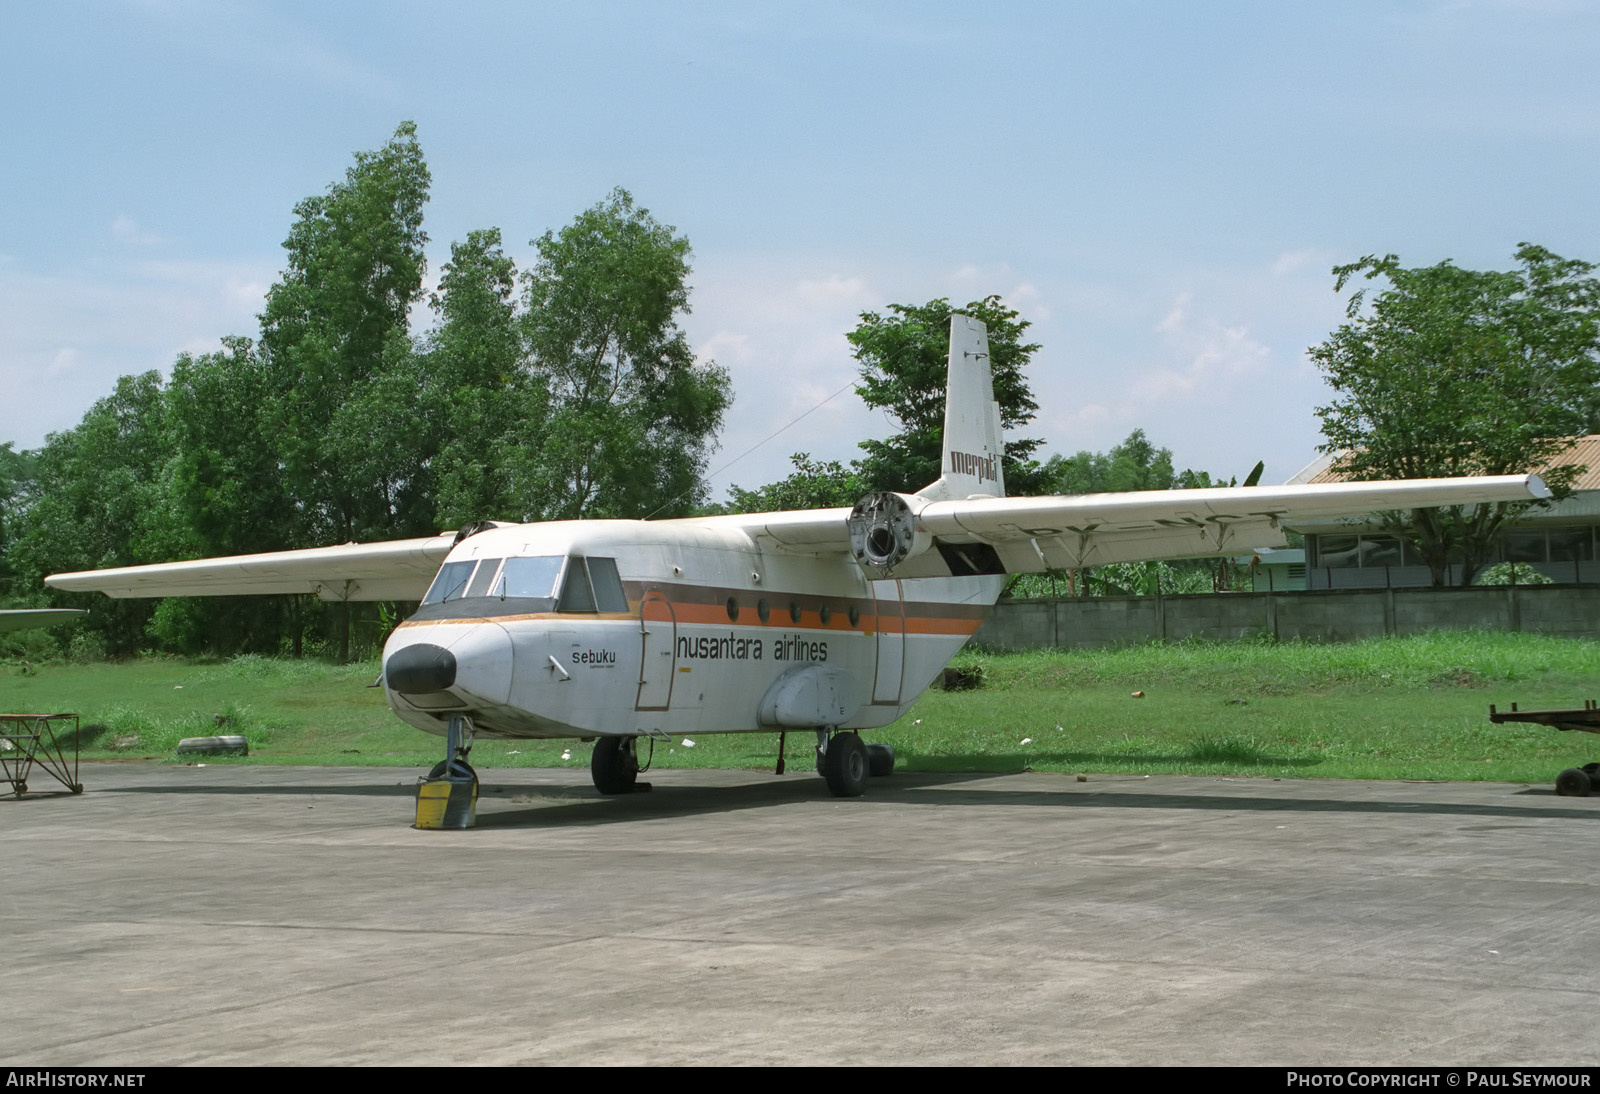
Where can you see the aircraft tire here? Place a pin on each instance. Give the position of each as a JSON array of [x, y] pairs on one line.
[[459, 767], [1593, 771], [1573, 783], [880, 760], [613, 767], [846, 766]]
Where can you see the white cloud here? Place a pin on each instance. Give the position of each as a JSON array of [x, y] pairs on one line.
[[126, 230], [1290, 261], [64, 339], [1210, 356]]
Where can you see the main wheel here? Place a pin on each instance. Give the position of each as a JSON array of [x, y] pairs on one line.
[[1573, 783], [614, 765], [846, 766], [880, 760]]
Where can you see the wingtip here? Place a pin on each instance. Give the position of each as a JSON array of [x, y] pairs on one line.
[[1537, 488]]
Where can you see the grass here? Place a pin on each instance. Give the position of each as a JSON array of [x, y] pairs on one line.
[[1404, 708]]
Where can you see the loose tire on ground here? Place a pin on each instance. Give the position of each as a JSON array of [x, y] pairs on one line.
[[880, 760], [613, 765], [846, 766], [1573, 783]]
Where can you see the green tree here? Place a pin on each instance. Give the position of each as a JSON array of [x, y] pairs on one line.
[[16, 490], [1461, 372], [480, 396], [1135, 464], [904, 365], [329, 335], [814, 484], [631, 414], [343, 400], [101, 502], [229, 493]]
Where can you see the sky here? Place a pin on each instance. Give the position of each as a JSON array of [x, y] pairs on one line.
[[1161, 189]]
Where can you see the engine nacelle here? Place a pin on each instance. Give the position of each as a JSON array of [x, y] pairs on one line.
[[884, 533]]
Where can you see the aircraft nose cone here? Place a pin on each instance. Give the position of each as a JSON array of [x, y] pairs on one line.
[[419, 669]]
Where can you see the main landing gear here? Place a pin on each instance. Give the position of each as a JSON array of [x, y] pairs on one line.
[[614, 765], [845, 761]]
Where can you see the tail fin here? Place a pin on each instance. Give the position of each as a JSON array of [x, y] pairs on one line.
[[973, 446]]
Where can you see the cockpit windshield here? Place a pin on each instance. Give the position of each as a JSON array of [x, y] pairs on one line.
[[535, 578], [529, 577]]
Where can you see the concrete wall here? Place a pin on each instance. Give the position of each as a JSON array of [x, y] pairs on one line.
[[1317, 616]]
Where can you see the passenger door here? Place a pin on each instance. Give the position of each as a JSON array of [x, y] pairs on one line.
[[658, 662]]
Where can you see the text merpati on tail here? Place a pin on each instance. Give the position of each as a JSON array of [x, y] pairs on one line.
[[731, 647], [968, 463]]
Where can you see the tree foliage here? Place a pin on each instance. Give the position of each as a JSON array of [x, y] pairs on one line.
[[631, 413], [904, 358], [1453, 372], [479, 399], [814, 484], [1135, 464], [100, 501], [338, 424], [332, 331]]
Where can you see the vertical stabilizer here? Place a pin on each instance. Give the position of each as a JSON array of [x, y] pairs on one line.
[[973, 447]]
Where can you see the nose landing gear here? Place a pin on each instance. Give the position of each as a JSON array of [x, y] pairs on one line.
[[448, 796]]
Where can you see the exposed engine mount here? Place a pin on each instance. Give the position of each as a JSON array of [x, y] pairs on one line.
[[883, 531]]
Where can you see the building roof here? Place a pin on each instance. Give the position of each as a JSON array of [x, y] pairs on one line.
[[1585, 451]]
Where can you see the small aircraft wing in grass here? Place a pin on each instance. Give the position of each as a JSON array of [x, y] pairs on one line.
[[22, 619]]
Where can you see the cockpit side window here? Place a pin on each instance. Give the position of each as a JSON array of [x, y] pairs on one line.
[[575, 593], [451, 583], [608, 592]]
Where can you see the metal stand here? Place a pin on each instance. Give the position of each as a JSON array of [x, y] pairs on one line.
[[1574, 782], [29, 740]]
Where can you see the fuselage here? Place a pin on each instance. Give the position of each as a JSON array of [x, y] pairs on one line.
[[594, 628]]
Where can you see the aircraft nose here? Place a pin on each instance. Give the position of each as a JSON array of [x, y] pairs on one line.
[[419, 669]]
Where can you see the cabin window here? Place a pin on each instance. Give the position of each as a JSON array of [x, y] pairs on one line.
[[529, 577], [762, 611], [855, 617], [451, 584], [826, 613], [575, 593], [608, 593], [794, 612], [733, 609]]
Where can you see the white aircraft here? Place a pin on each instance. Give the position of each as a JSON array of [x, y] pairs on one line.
[[829, 620]]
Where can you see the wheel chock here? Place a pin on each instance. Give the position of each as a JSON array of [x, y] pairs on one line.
[[447, 802]]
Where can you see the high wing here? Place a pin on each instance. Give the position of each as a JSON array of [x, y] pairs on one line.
[[1028, 535], [399, 569]]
